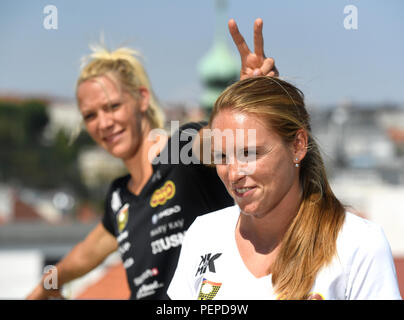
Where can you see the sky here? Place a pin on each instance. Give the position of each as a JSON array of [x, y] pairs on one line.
[[307, 39]]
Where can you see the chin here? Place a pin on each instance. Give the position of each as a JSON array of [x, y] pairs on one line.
[[252, 210], [119, 153], [247, 209]]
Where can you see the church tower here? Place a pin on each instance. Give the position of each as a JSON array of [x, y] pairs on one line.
[[218, 68]]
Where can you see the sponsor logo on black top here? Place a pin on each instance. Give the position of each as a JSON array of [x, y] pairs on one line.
[[165, 213], [166, 243], [148, 273], [122, 217], [161, 195], [116, 202]]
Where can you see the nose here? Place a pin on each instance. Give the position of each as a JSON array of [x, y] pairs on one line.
[[236, 171], [105, 120]]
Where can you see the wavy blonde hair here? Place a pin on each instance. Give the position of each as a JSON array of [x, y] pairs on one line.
[[124, 64], [310, 241]]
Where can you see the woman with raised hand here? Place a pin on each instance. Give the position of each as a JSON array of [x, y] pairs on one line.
[[147, 211], [288, 236]]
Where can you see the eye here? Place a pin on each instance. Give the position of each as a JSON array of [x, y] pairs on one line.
[[249, 154], [219, 158], [115, 106], [89, 116]]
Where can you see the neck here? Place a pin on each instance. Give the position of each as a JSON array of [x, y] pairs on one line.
[[139, 165], [265, 233]]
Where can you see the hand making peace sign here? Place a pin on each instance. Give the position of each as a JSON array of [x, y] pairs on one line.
[[253, 63]]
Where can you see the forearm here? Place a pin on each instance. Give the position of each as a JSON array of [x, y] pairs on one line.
[[75, 264], [83, 258], [71, 267], [86, 255]]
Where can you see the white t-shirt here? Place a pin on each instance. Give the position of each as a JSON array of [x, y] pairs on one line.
[[210, 266]]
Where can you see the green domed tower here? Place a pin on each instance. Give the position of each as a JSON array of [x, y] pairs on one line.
[[218, 68]]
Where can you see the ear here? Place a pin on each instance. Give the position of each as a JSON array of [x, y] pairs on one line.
[[144, 99], [300, 145]]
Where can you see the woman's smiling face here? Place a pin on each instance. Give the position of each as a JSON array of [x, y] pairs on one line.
[[112, 116], [266, 177]]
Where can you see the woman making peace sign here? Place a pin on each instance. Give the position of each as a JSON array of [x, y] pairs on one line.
[[148, 210], [288, 236]]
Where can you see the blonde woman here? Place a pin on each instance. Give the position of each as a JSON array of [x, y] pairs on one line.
[[288, 236], [148, 210]]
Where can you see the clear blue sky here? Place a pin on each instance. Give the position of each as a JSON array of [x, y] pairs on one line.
[[307, 39]]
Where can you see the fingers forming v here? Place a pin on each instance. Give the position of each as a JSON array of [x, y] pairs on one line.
[[258, 38], [238, 39]]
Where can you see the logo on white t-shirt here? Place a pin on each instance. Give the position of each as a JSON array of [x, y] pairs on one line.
[[208, 289], [207, 261]]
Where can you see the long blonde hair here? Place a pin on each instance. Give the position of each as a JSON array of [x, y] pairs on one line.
[[124, 64], [310, 241]]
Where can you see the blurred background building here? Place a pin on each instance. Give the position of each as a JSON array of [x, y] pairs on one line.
[[218, 68], [53, 178]]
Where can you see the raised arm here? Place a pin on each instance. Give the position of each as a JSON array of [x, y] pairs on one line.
[[253, 63]]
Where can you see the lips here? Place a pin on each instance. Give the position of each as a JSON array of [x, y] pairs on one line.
[[243, 191], [112, 138]]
